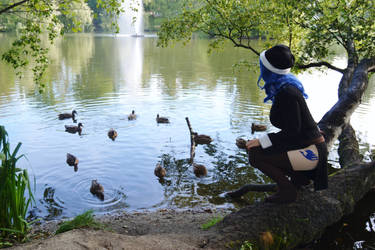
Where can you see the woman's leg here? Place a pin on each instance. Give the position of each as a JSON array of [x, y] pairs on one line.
[[275, 166]]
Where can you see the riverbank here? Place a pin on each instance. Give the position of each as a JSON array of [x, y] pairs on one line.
[[162, 229]]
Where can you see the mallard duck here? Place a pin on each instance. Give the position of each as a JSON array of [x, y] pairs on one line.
[[68, 115], [202, 139], [257, 127], [72, 161], [160, 171], [112, 134], [74, 129], [97, 189], [160, 119], [199, 170], [241, 143], [132, 116]]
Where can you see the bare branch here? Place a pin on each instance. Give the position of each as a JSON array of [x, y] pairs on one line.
[[13, 6], [319, 64]]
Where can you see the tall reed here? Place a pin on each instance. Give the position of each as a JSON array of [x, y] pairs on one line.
[[15, 192]]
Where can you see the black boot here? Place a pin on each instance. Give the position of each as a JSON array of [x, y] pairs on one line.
[[287, 192]]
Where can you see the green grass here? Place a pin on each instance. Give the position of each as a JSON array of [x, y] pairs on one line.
[[15, 194], [80, 221], [211, 222]]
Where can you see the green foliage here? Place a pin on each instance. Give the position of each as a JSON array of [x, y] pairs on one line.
[[83, 220], [163, 8], [15, 193], [310, 28], [247, 246], [39, 22], [211, 222]]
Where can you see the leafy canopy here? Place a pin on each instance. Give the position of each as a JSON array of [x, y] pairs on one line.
[[40, 19], [310, 28]]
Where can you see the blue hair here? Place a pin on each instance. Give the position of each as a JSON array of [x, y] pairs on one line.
[[275, 82]]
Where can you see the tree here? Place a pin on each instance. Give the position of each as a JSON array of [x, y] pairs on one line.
[[310, 28], [41, 20]]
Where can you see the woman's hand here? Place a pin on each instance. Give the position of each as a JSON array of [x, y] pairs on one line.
[[252, 143]]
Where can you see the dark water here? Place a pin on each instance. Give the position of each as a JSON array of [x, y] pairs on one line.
[[104, 78]]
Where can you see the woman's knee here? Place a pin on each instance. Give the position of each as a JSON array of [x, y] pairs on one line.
[[254, 153]]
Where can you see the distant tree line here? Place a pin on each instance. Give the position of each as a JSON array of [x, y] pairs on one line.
[[85, 16]]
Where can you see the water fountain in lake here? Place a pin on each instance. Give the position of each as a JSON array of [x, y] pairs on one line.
[[131, 20]]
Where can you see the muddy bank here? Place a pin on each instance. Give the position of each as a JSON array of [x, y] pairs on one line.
[[163, 229]]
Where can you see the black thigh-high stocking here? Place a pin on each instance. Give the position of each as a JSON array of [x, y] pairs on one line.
[[275, 166]]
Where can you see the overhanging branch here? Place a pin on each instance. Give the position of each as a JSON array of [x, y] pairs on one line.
[[319, 64], [13, 6]]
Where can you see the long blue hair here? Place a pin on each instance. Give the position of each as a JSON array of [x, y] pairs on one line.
[[274, 82]]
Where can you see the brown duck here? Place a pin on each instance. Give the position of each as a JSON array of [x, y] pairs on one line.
[[160, 171], [202, 139], [74, 129], [72, 161], [97, 189], [241, 143], [257, 127], [112, 134], [132, 116], [68, 115], [199, 170], [160, 119]]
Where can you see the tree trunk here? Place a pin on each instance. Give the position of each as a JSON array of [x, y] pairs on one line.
[[306, 219]]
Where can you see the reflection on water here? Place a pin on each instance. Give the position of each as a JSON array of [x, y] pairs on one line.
[[104, 78]]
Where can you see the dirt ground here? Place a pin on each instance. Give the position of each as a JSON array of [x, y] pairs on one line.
[[163, 229]]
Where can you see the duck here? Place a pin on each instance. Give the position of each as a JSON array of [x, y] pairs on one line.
[[132, 116], [199, 170], [112, 134], [160, 171], [68, 115], [241, 143], [160, 119], [257, 127], [97, 189], [74, 129], [202, 139], [72, 161]]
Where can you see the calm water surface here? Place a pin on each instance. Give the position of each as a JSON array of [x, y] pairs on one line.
[[104, 78]]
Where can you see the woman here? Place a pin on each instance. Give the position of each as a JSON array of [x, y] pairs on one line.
[[298, 150]]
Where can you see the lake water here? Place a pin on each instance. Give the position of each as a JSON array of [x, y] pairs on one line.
[[104, 78]]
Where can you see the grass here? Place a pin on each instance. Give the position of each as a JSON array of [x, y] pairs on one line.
[[15, 194], [211, 222], [80, 221]]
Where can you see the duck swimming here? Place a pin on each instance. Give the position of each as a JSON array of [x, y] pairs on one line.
[[72, 161], [132, 116], [160, 119], [257, 127], [202, 139], [112, 134], [199, 170], [241, 143], [68, 115], [160, 171], [74, 129], [97, 189]]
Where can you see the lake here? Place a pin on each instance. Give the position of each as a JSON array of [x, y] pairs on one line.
[[104, 78]]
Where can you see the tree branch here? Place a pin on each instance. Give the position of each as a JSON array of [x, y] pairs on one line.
[[335, 120], [319, 64], [13, 6]]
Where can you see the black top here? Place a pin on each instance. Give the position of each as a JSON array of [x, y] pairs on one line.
[[289, 112]]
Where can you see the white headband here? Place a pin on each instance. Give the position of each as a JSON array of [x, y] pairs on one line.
[[270, 67]]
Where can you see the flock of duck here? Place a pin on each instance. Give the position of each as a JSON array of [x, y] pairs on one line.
[[98, 190], [159, 171]]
